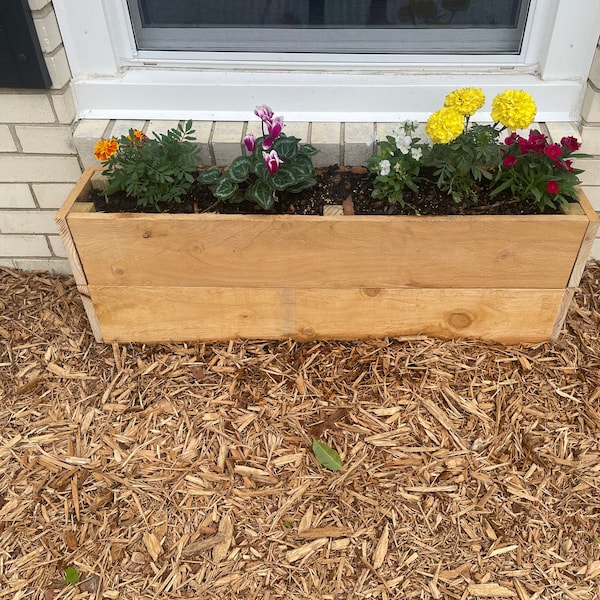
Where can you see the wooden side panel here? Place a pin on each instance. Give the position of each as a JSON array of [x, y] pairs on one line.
[[587, 242], [155, 314], [80, 190], [336, 252]]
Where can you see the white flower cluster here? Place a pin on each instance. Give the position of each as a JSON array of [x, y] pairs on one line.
[[404, 140]]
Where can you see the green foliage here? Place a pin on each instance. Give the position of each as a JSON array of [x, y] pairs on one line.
[[326, 455], [461, 165], [153, 170], [71, 576], [541, 172], [275, 164], [398, 164]]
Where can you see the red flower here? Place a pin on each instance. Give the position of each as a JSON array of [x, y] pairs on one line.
[[552, 187], [554, 151], [537, 142], [510, 160], [570, 143], [511, 139]]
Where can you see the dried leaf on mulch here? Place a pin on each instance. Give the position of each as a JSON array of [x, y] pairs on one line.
[[185, 471]]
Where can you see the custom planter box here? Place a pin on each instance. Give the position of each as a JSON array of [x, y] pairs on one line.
[[159, 277]]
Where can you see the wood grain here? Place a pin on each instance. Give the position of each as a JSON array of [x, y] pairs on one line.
[[161, 314]]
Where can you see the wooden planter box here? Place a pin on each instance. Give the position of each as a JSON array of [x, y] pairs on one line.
[[160, 278]]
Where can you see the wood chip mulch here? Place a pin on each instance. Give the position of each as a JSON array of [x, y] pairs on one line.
[[184, 471]]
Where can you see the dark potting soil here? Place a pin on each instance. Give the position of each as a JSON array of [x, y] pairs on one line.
[[335, 185]]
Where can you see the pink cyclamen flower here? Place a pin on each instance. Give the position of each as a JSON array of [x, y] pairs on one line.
[[510, 160], [274, 130], [552, 187], [250, 142], [272, 161], [570, 143], [264, 113], [554, 151]]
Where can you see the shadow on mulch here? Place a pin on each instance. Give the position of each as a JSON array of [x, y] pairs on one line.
[[471, 470]]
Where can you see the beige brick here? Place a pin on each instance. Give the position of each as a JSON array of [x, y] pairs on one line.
[[27, 221], [38, 4], [298, 129], [48, 32], [203, 131], [591, 167], [593, 194], [58, 266], [591, 139], [58, 68], [23, 245], [358, 143], [122, 127], [595, 253], [7, 144], [46, 139], [160, 127], [594, 75], [57, 246], [26, 108], [227, 141], [64, 106], [326, 138], [16, 195], [86, 134], [591, 105], [51, 195], [558, 130], [39, 169]]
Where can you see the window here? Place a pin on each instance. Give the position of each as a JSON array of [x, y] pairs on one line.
[[349, 26], [120, 75]]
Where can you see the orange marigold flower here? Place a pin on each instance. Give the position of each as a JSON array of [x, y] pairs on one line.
[[138, 136], [104, 149]]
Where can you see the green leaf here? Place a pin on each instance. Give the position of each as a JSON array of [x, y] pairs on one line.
[[71, 576], [307, 149], [240, 168], [326, 455], [225, 188], [209, 177], [302, 185], [261, 193], [286, 147], [283, 178]]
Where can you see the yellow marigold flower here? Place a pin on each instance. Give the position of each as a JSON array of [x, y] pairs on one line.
[[467, 101], [445, 125], [515, 109], [104, 149]]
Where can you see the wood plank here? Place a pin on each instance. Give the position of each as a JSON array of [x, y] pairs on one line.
[[367, 251], [79, 190], [157, 314], [588, 240]]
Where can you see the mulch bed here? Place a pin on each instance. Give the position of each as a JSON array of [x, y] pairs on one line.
[[184, 471]]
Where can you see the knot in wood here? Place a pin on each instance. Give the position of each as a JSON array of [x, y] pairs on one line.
[[461, 320]]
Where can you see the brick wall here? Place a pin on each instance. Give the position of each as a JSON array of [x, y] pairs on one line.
[[38, 160]]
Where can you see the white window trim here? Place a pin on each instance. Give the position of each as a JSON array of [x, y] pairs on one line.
[[111, 79]]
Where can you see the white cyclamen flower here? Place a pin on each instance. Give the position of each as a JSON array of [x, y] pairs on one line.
[[416, 153], [384, 167], [403, 143]]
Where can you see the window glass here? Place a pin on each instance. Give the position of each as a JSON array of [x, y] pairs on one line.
[[349, 26]]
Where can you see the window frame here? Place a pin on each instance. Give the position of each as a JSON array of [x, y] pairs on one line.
[[371, 40], [112, 79]]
